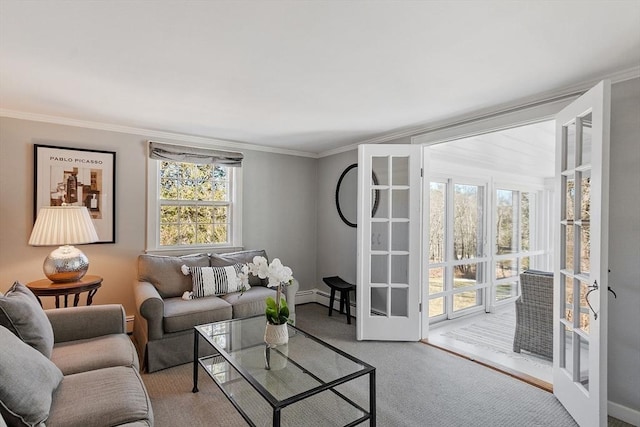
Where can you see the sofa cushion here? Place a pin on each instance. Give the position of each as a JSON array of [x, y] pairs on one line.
[[250, 303], [182, 315], [209, 281], [28, 381], [109, 397], [165, 274], [241, 257], [95, 353], [20, 312]]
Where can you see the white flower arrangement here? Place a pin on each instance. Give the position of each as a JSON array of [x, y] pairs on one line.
[[277, 310]]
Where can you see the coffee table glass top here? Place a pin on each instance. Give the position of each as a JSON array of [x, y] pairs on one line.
[[303, 365], [306, 382]]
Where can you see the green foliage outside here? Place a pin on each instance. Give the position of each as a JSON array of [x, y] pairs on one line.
[[194, 204]]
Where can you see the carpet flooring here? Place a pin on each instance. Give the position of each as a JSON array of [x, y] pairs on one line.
[[417, 385]]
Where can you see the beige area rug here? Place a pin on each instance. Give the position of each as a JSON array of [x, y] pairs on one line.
[[175, 405]]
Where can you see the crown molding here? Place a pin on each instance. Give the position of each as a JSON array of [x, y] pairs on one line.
[[149, 133]]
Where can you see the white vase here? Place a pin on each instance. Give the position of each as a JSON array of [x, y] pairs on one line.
[[276, 334]]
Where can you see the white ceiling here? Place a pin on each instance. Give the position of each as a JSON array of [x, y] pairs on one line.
[[302, 75]]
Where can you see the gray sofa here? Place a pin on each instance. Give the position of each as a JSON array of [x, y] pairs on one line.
[[163, 327], [91, 378]]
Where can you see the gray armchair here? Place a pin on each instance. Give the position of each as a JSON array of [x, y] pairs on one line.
[[534, 314]]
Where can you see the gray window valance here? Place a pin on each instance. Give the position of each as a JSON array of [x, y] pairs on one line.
[[202, 156]]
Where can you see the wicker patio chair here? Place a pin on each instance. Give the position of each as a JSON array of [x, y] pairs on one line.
[[534, 314]]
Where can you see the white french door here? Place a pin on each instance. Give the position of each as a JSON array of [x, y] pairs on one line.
[[580, 288], [389, 242]]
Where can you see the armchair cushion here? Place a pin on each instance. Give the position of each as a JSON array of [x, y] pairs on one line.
[[20, 313], [95, 353], [165, 273], [28, 381], [240, 257]]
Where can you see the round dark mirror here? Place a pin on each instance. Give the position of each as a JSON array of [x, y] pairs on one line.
[[347, 195]]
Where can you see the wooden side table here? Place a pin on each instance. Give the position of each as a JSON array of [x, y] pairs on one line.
[[46, 288]]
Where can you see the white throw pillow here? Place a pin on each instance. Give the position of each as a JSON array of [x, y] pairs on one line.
[[209, 281]]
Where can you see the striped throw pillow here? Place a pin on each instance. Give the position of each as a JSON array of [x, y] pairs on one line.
[[209, 281]]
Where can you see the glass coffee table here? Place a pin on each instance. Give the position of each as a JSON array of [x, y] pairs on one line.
[[306, 382]]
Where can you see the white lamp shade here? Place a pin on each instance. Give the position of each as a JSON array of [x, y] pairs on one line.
[[63, 225]]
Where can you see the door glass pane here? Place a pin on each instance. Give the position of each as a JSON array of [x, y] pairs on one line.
[[505, 227], [584, 361], [400, 236], [506, 268], [586, 139], [436, 307], [436, 221], [379, 236], [379, 269], [399, 302], [584, 308], [465, 275], [380, 168], [400, 269], [568, 298], [400, 168], [400, 203], [379, 301], [566, 342], [463, 300], [570, 201], [467, 223], [383, 205], [570, 162], [524, 264], [436, 280], [585, 195], [585, 249], [569, 248]]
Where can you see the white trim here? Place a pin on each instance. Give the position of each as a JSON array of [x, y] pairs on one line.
[[149, 133], [624, 413]]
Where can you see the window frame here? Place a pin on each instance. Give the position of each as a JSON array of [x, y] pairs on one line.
[[153, 214]]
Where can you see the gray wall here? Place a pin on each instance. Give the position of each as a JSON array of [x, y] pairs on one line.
[[624, 245], [336, 240], [279, 207]]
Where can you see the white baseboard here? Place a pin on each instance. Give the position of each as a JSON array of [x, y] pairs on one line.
[[130, 320], [321, 297], [624, 413]]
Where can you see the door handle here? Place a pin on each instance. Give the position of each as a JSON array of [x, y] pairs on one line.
[[592, 288], [595, 287]]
